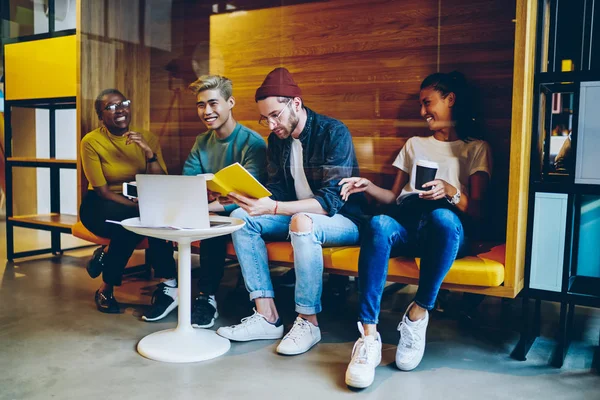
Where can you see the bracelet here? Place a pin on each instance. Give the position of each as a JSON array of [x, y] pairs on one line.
[[152, 159], [276, 205]]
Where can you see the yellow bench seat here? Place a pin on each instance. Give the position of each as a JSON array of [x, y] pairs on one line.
[[483, 270], [80, 231]]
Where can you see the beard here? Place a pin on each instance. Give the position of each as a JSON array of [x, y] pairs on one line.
[[291, 125]]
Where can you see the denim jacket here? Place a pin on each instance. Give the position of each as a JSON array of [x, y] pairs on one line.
[[328, 156]]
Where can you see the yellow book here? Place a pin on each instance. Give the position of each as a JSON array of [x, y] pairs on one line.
[[237, 179]]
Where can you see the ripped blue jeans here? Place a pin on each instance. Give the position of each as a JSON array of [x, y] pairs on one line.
[[251, 250]]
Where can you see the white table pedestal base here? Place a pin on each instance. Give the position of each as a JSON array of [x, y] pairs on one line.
[[181, 346], [184, 343]]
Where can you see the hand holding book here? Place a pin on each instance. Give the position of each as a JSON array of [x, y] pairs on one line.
[[255, 206]]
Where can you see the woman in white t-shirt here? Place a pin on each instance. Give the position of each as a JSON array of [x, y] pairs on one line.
[[428, 221]]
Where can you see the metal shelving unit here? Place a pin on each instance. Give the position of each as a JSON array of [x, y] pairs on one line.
[[557, 100], [54, 222]]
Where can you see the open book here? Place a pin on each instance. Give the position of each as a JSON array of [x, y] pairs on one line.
[[235, 178]]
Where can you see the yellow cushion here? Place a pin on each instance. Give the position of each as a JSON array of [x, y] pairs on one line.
[[346, 260], [474, 271], [284, 253], [486, 269]]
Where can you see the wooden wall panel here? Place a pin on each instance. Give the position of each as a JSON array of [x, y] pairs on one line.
[[362, 62], [112, 55], [173, 67], [477, 38]]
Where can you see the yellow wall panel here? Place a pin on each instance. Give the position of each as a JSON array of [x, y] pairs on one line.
[[41, 68]]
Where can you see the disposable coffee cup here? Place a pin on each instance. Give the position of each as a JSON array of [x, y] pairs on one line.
[[426, 171]]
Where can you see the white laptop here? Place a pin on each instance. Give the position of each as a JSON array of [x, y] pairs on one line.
[[173, 201]]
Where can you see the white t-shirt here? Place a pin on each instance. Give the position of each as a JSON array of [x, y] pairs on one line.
[[458, 160], [303, 190]]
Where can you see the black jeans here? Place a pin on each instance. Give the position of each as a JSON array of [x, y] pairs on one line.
[[94, 211], [212, 263]]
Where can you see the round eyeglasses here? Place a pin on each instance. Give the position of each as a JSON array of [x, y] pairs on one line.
[[274, 119], [117, 106]]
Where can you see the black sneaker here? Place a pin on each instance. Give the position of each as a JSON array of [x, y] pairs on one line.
[[96, 264], [162, 303], [106, 302], [204, 311]]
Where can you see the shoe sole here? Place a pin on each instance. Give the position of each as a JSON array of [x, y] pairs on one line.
[[209, 325], [295, 353], [108, 311], [167, 311], [265, 337], [357, 383]]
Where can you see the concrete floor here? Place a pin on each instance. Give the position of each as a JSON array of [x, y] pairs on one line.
[[54, 344]]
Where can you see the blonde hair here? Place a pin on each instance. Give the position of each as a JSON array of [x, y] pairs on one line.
[[212, 82]]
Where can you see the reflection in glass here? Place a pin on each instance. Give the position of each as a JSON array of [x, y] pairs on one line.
[[545, 36], [556, 129], [32, 17]]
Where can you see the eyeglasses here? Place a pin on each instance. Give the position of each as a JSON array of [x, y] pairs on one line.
[[117, 106], [265, 121]]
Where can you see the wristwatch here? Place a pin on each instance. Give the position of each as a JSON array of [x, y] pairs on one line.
[[152, 159], [454, 200]]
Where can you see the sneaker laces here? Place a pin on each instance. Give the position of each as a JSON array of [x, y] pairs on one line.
[[162, 290], [408, 337], [364, 349], [298, 330], [251, 320]]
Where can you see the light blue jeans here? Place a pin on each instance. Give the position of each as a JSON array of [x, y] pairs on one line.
[[251, 250]]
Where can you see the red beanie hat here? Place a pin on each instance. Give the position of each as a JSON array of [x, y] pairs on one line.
[[279, 82]]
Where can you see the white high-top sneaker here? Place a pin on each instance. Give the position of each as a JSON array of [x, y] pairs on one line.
[[254, 327], [366, 356], [412, 341], [300, 338]]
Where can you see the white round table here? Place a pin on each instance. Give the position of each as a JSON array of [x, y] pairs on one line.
[[184, 343]]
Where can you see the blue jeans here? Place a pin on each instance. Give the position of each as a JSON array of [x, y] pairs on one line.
[[437, 236], [249, 243]]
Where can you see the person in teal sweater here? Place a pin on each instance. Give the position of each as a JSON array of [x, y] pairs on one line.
[[226, 142]]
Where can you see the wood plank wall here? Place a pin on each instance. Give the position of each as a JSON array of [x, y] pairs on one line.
[[180, 49], [360, 62], [113, 54]]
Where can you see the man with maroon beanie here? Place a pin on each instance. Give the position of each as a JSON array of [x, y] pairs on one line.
[[308, 155]]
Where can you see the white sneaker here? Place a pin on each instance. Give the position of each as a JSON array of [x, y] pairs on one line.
[[300, 338], [254, 327], [366, 356], [412, 341]]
